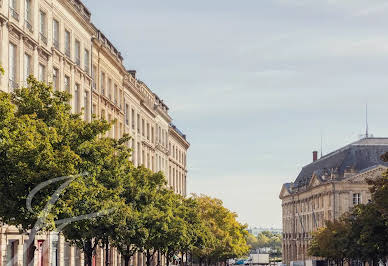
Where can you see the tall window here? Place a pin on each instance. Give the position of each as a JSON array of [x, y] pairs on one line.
[[116, 92], [77, 48], [27, 67], [77, 98], [110, 89], [102, 85], [127, 114], [94, 77], [142, 127], [133, 119], [56, 79], [86, 61], [67, 43], [86, 105], [42, 73], [67, 83], [356, 198], [28, 15], [12, 66], [43, 28], [138, 123], [13, 8], [56, 33]]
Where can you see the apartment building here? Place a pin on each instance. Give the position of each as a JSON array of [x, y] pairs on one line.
[[326, 189], [56, 41]]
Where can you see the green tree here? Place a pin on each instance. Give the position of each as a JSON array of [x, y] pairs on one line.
[[139, 192], [330, 242], [252, 241], [368, 233], [40, 140], [227, 236]]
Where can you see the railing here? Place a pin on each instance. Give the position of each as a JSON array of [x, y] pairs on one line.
[[14, 13], [43, 38], [78, 61], [29, 26]]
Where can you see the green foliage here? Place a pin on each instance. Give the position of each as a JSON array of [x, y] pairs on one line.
[[105, 199], [225, 236], [329, 242], [360, 234]]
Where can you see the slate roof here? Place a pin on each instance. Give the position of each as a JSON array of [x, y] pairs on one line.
[[358, 156]]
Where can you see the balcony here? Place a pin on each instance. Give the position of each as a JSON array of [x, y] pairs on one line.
[[14, 13], [28, 26], [43, 38]]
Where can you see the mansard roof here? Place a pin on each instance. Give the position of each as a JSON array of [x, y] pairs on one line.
[[355, 157]]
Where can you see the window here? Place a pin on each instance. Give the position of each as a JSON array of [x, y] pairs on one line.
[[94, 77], [42, 73], [133, 119], [77, 98], [110, 89], [148, 131], [27, 67], [67, 43], [28, 15], [13, 8], [102, 85], [77, 48], [86, 61], [356, 198], [67, 84], [86, 105], [142, 128], [138, 123], [42, 28], [12, 66], [56, 33], [127, 114], [56, 79], [116, 94]]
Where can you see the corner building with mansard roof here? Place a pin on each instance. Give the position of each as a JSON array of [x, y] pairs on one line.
[[325, 189], [56, 41]]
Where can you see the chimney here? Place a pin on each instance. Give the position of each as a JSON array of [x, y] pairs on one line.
[[315, 156]]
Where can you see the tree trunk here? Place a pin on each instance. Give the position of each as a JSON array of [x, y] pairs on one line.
[[107, 253], [126, 260], [88, 253], [148, 255], [167, 259]]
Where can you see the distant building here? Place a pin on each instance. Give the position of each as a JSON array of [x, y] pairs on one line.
[[327, 188], [256, 230]]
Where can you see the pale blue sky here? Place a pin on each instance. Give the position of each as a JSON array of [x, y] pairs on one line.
[[253, 83]]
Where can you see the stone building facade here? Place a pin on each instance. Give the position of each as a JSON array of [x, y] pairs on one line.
[[56, 41], [326, 189]]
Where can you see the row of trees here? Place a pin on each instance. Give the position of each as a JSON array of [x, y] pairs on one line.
[[359, 235], [59, 172], [267, 240]]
